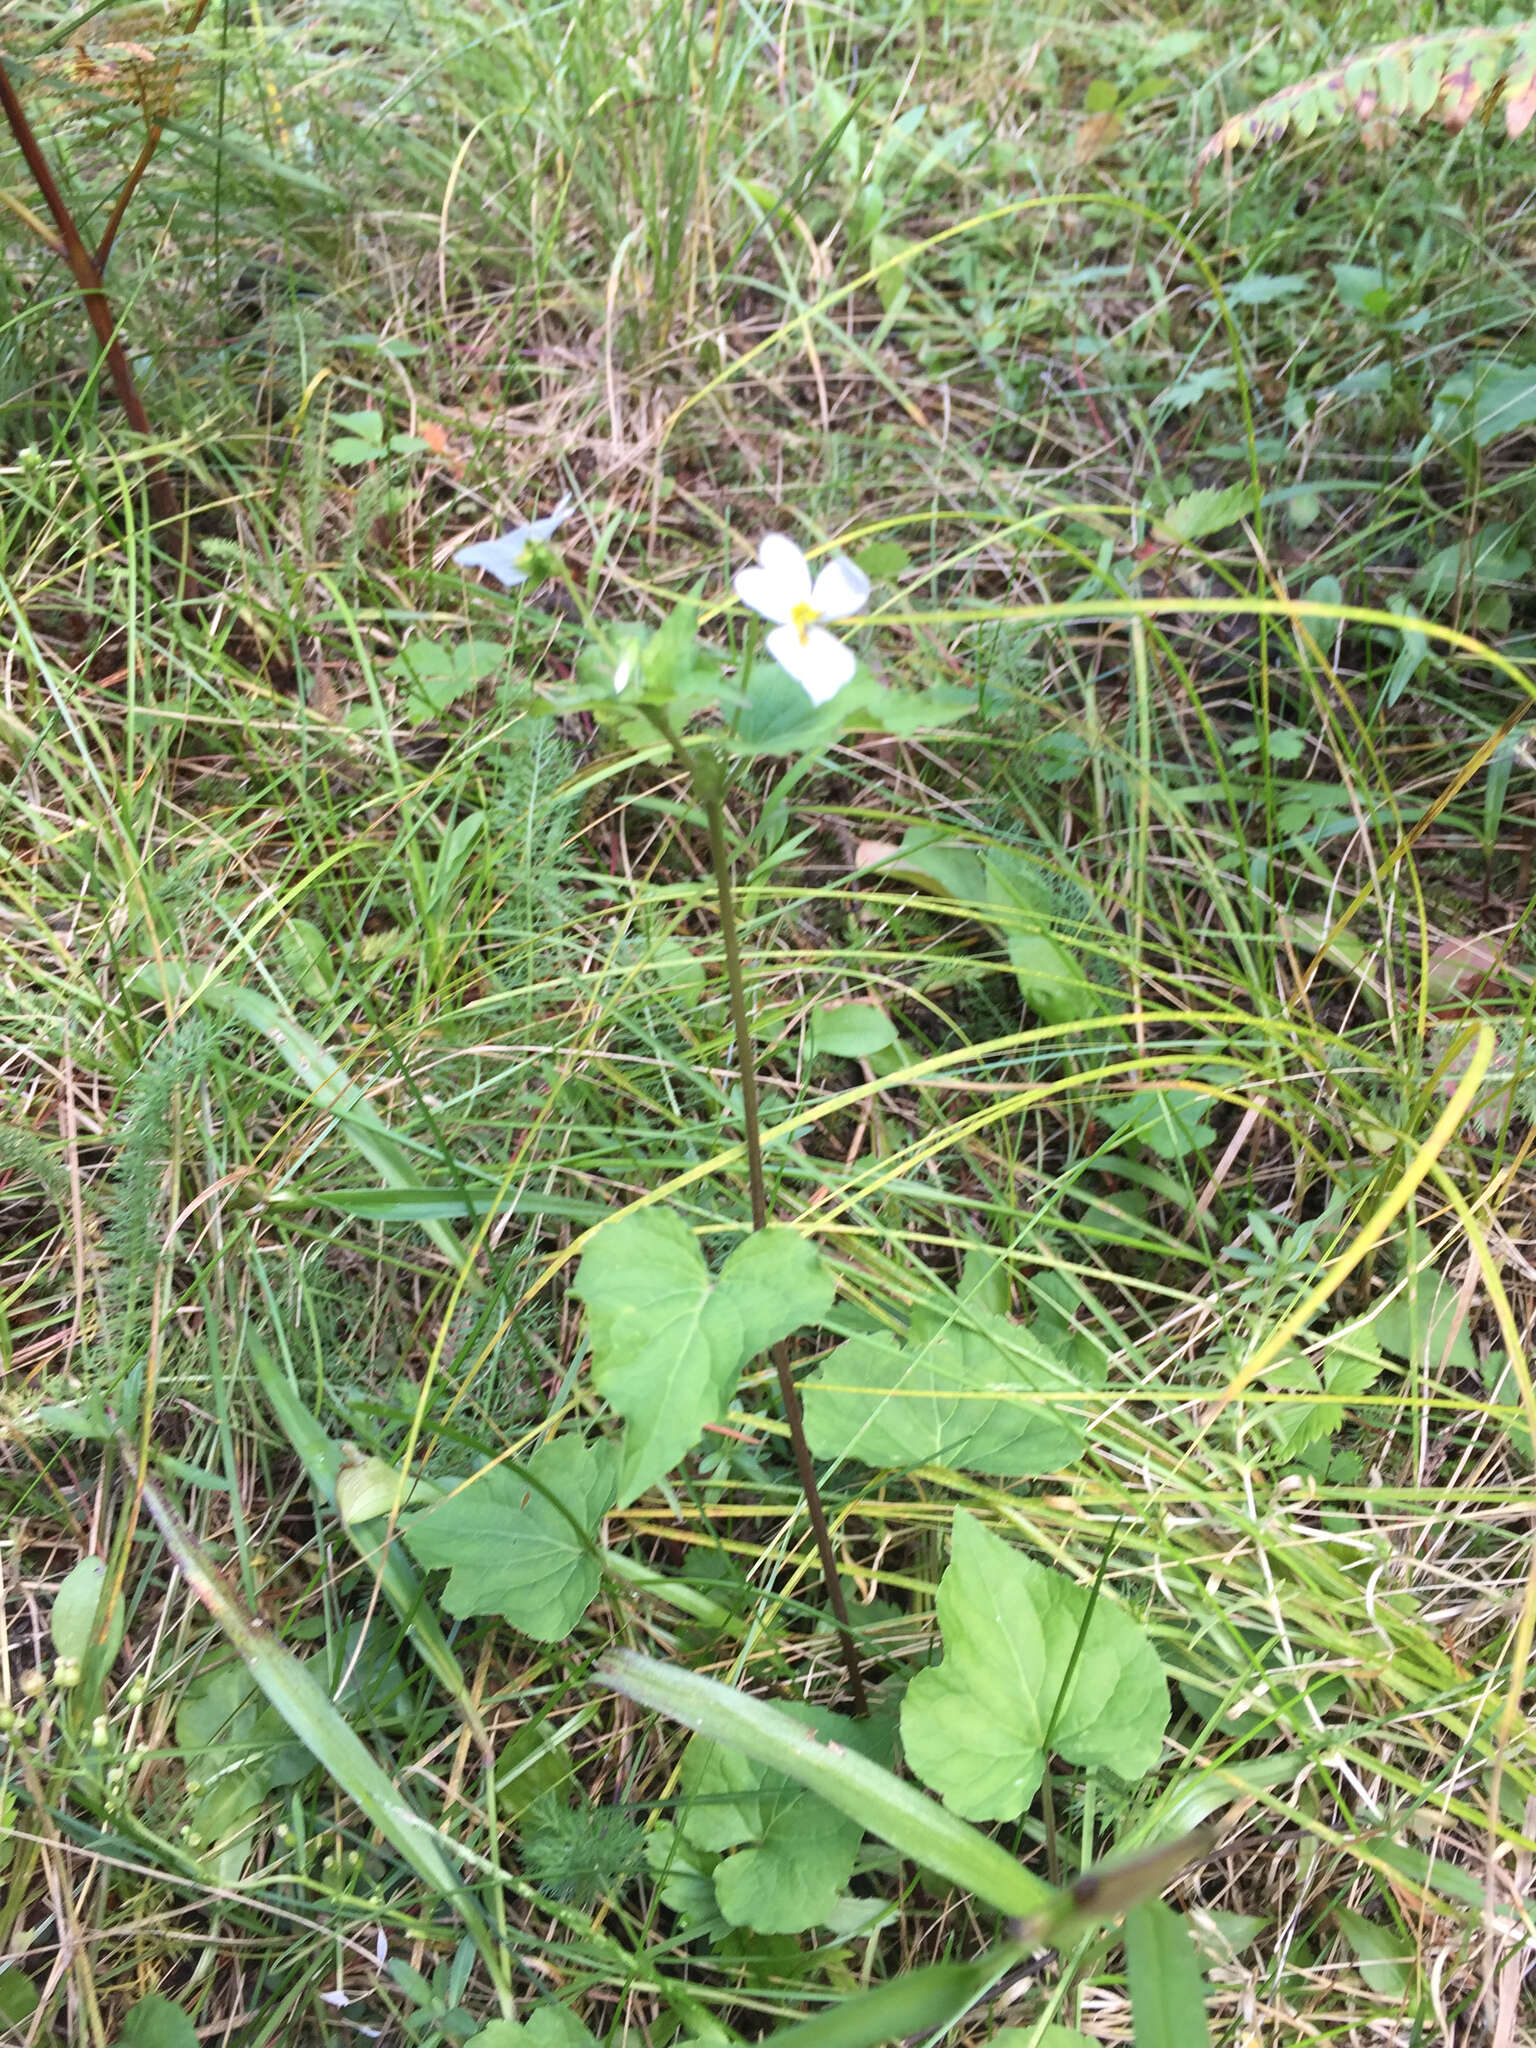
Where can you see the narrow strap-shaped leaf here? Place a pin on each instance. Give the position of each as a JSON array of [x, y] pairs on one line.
[[919, 2003], [321, 1459], [309, 1711], [898, 1813]]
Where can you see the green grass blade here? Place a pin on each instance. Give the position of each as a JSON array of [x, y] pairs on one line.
[[322, 1460], [331, 1088], [898, 1813], [309, 1711], [926, 2001]]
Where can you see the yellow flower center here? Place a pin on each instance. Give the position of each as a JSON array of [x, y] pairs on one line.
[[802, 618]]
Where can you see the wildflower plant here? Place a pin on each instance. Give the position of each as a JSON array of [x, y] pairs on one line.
[[715, 709]]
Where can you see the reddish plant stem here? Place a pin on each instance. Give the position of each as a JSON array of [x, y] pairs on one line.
[[87, 275]]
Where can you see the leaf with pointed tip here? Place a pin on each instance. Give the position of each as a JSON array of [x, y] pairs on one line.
[[669, 1339], [521, 1543], [976, 1725]]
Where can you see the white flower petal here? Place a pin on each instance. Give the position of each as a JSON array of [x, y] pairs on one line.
[[336, 1998], [841, 589], [624, 674], [541, 529], [787, 566], [763, 593], [819, 664], [499, 557], [502, 557]]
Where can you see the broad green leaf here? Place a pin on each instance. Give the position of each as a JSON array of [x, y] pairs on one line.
[[916, 1826], [779, 718], [669, 1341], [1493, 399], [307, 956], [436, 676], [1051, 977], [1261, 288], [520, 1543], [850, 1031], [934, 861], [686, 1875], [883, 560], [18, 1997], [1383, 1956], [350, 452], [975, 1725], [967, 1389], [1494, 556], [547, 2026], [155, 2022], [72, 1619], [368, 426], [1419, 1320], [1166, 1984], [1169, 1121], [792, 1852], [237, 1750]]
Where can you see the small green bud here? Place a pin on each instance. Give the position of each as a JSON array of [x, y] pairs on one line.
[[33, 1683], [138, 1691], [99, 1732]]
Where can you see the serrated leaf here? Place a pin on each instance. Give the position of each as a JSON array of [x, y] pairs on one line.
[[785, 1855], [975, 1725], [1166, 1984], [967, 1389], [669, 1340], [72, 1618], [1204, 512], [522, 1544]]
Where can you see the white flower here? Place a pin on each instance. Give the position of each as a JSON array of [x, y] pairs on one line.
[[624, 674], [504, 555], [780, 587]]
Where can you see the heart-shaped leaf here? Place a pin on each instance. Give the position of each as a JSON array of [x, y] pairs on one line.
[[1030, 1656], [520, 1543], [669, 1340]]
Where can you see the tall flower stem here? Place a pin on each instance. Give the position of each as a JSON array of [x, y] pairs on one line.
[[706, 773]]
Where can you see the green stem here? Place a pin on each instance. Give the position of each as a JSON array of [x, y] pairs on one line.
[[707, 778]]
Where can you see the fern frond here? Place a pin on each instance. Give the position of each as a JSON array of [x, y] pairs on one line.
[[1447, 75]]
